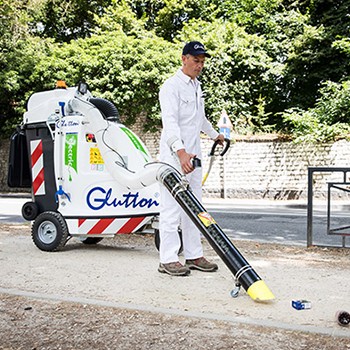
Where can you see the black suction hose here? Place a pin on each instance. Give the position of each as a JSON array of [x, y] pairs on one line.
[[107, 108], [234, 260]]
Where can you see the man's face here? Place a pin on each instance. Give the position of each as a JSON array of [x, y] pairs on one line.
[[193, 65]]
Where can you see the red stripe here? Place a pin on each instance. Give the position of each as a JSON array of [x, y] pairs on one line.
[[81, 221], [38, 181], [130, 225], [37, 153], [101, 225]]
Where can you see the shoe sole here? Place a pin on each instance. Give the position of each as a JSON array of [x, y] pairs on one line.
[[163, 270], [203, 269]]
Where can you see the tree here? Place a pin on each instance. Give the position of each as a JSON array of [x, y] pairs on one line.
[[14, 59], [168, 17], [247, 72], [66, 20], [121, 62], [269, 57], [327, 121], [316, 59]]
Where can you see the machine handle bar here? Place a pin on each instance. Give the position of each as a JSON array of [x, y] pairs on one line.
[[227, 146]]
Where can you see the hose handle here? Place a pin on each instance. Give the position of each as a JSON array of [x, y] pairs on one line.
[[226, 147]]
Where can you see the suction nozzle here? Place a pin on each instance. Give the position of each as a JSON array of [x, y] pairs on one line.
[[260, 292]]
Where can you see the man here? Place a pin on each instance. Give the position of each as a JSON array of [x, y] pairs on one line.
[[183, 118]]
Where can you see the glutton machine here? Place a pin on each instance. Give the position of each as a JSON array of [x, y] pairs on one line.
[[91, 177]]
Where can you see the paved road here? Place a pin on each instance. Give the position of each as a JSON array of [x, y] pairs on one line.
[[278, 222], [10, 209], [258, 220]]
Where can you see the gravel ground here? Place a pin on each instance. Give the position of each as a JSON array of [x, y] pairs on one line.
[[32, 321], [35, 324]]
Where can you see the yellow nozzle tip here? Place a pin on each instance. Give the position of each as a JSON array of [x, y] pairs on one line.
[[259, 291]]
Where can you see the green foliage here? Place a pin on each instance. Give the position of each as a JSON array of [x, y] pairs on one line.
[[16, 59], [126, 70], [245, 69], [305, 127], [119, 16], [168, 17], [327, 121], [64, 20], [317, 56], [342, 45], [334, 105], [276, 64], [252, 14], [300, 123]]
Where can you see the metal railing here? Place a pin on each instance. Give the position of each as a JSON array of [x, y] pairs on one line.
[[337, 185]]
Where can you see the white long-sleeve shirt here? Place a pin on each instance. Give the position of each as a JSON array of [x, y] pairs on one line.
[[183, 117]]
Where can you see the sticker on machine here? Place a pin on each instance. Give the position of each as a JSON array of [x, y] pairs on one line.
[[71, 151], [95, 156], [206, 219]]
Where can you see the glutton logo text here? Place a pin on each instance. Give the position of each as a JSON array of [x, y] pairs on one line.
[[98, 198]]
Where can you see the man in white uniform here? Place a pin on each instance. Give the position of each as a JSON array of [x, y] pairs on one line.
[[183, 118]]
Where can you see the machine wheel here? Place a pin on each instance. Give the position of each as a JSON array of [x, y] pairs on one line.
[[50, 231], [91, 240], [30, 211], [157, 239]]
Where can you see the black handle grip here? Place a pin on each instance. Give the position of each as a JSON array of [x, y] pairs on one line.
[[227, 146]]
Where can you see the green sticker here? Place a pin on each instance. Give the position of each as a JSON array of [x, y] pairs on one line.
[[134, 140], [71, 150]]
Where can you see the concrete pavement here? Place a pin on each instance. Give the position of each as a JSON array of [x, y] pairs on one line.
[[122, 273]]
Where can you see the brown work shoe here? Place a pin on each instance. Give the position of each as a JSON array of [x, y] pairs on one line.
[[174, 269], [201, 264]]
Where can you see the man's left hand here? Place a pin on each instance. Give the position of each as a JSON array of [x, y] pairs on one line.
[[221, 139]]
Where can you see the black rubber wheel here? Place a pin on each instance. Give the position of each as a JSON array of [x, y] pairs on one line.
[[30, 211], [157, 239], [50, 231], [92, 240]]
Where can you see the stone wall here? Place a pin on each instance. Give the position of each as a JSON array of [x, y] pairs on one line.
[[250, 169], [4, 156], [266, 169], [275, 170]]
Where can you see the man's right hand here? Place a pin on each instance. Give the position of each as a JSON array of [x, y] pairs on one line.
[[185, 160]]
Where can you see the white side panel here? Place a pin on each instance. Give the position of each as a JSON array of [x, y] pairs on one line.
[[92, 190]]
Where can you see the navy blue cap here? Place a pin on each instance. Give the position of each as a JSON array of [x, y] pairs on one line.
[[194, 48]]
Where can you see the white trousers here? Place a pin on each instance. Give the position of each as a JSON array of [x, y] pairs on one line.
[[171, 216]]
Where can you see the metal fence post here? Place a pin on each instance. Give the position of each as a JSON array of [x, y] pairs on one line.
[[309, 207]]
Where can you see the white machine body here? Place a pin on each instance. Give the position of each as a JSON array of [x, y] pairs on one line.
[[102, 185]]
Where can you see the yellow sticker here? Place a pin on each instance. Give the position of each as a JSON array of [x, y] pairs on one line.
[[95, 156], [206, 219]]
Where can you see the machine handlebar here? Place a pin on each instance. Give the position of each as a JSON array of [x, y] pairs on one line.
[[226, 147]]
